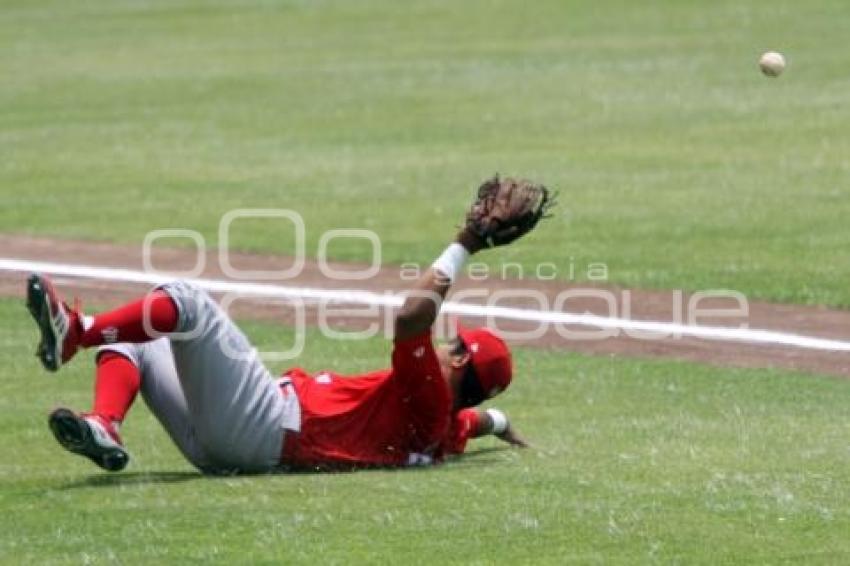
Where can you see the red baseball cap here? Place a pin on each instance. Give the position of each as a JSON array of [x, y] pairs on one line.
[[490, 358]]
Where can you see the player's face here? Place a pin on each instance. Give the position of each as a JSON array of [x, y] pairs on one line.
[[452, 366]]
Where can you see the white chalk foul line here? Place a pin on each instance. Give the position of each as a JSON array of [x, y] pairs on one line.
[[754, 336]]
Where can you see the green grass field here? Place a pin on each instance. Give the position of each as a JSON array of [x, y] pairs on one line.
[[678, 165], [633, 462]]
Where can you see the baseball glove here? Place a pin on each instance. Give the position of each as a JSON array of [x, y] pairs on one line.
[[506, 209]]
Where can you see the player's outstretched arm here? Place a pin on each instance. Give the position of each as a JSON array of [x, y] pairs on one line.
[[495, 422], [503, 211], [422, 303]]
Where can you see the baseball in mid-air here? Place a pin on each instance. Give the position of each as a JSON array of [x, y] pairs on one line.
[[772, 63]]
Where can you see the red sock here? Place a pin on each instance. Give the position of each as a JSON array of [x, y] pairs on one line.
[[126, 324], [115, 386]]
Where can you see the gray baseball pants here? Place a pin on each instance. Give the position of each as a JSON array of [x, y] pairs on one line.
[[209, 389]]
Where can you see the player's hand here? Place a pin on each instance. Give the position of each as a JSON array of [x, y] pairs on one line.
[[511, 437], [504, 210]]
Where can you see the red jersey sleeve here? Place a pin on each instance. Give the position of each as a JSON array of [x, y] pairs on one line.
[[424, 391], [464, 426], [415, 358]]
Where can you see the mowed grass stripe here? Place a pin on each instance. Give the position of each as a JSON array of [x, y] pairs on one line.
[[634, 461], [679, 165]]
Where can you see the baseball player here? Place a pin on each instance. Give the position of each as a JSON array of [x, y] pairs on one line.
[[206, 385]]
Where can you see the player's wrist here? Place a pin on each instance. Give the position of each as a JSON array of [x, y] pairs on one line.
[[499, 420], [451, 261], [469, 240]]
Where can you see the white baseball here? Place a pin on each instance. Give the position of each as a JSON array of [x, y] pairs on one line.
[[772, 64]]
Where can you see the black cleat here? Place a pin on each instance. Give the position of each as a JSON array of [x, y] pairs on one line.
[[91, 436], [59, 325]]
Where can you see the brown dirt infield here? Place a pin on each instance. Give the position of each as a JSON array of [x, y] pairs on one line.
[[645, 305]]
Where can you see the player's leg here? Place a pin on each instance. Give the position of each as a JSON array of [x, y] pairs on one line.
[[163, 394], [236, 408], [122, 370], [65, 330], [95, 434]]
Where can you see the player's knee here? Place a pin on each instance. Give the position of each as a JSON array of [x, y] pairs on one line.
[[191, 301]]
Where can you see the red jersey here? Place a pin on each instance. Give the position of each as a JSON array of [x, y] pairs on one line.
[[394, 417], [463, 427]]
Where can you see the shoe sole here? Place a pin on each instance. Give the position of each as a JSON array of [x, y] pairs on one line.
[[38, 303], [74, 434]]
